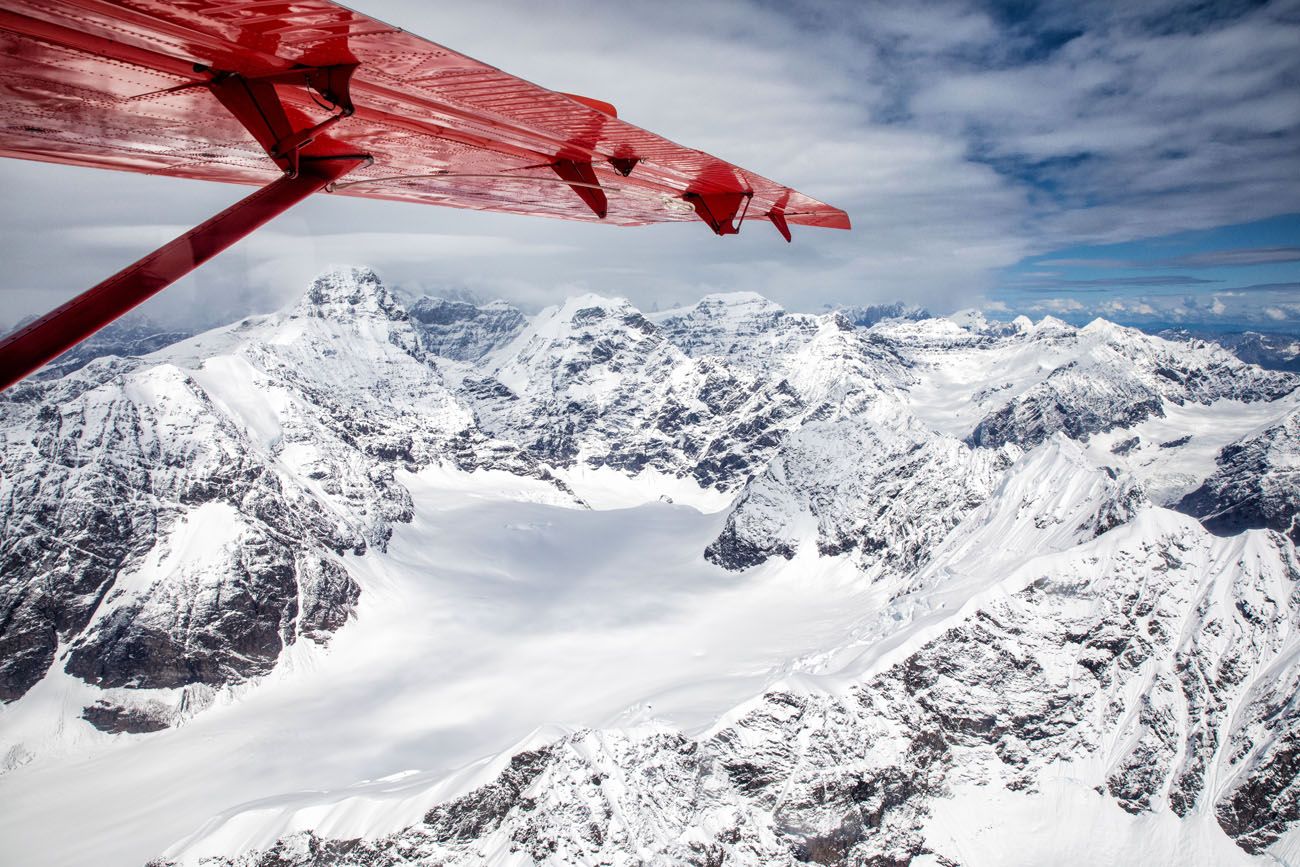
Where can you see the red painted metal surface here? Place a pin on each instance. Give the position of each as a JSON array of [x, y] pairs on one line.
[[292, 95], [32, 346], [113, 83], [777, 216], [723, 212]]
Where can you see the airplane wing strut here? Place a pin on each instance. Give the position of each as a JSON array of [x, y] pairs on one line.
[[39, 342]]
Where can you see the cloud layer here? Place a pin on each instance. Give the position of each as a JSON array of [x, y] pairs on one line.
[[960, 137]]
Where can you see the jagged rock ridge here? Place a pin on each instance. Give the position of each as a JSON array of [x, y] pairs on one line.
[[178, 522], [182, 519], [1095, 659]]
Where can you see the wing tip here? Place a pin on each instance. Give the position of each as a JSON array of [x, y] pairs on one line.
[[822, 218]]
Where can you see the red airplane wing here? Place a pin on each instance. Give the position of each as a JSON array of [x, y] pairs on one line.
[[339, 102], [130, 84]]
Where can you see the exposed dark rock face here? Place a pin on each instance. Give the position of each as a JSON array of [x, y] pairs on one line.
[[326, 596], [182, 522], [1063, 403], [1257, 484], [115, 719], [1124, 378], [741, 544], [1265, 805], [462, 331], [132, 335], [1079, 663], [225, 633], [116, 497], [876, 483], [1125, 446], [52, 587]]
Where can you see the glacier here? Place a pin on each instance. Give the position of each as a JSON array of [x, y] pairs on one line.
[[377, 581]]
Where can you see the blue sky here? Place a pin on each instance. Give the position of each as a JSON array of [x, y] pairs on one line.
[[989, 155], [1244, 276]]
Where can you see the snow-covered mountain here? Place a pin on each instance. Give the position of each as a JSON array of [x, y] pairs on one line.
[[722, 584], [133, 334], [1256, 483], [172, 524], [462, 331], [1270, 350]]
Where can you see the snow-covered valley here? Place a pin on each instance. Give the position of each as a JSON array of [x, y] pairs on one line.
[[366, 582]]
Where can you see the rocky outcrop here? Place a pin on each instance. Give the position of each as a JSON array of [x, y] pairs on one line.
[[873, 481], [1118, 378], [182, 522], [462, 331], [596, 382], [1089, 658], [1257, 484]]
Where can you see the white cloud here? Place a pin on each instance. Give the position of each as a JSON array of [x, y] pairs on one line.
[[959, 143], [1058, 305]]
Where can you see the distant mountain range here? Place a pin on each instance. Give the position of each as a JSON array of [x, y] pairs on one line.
[[1272, 351]]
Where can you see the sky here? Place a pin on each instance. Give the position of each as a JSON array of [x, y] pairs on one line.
[[1229, 278], [1139, 161]]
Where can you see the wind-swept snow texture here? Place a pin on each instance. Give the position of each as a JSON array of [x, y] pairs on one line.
[[370, 583]]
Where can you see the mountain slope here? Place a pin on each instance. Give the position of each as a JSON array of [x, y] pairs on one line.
[[1125, 676], [179, 521], [764, 586], [994, 384], [1257, 484]]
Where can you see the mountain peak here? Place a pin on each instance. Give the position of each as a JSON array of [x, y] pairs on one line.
[[1050, 325], [869, 315], [1104, 329], [970, 319], [743, 325], [349, 292], [726, 305], [580, 305], [739, 298]]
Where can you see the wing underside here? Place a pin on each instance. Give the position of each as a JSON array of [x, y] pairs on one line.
[[139, 85]]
